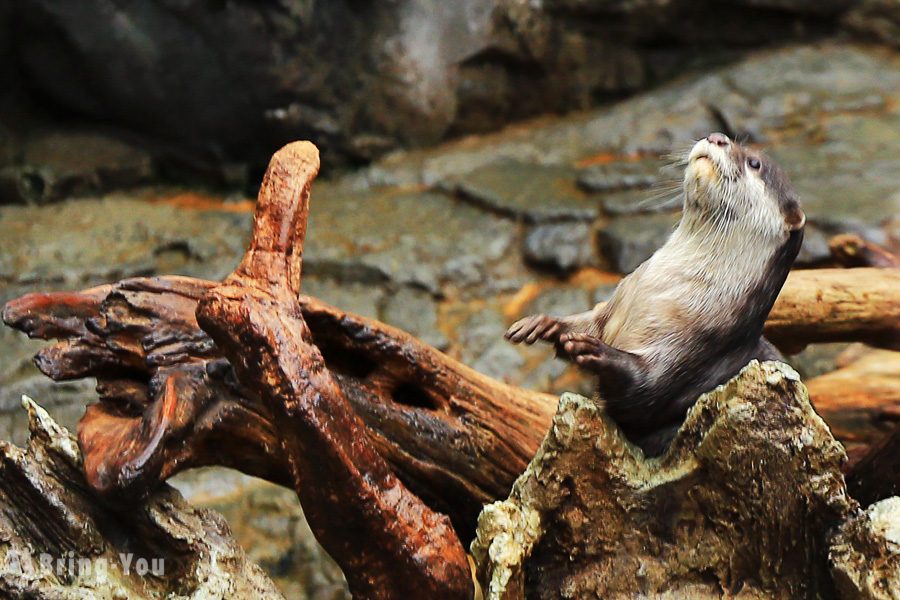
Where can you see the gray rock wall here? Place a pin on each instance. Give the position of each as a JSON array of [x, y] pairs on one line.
[[231, 80]]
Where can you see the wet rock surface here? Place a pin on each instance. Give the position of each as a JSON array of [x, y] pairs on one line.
[[456, 242], [269, 522], [525, 191], [629, 241], [561, 247], [53, 165]]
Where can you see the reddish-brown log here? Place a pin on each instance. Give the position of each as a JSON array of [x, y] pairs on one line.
[[876, 475], [861, 400], [850, 250]]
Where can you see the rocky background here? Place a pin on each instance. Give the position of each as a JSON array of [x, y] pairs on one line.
[[132, 134]]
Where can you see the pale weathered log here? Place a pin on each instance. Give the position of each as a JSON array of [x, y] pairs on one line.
[[837, 305], [740, 504], [864, 556], [59, 541]]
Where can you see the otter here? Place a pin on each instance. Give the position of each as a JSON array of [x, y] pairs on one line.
[[691, 316]]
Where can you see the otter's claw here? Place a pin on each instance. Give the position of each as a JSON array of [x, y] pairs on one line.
[[533, 328]]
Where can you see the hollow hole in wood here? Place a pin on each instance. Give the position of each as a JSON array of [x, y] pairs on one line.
[[410, 394], [346, 361]]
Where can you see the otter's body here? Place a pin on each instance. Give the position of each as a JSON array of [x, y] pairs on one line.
[[692, 315]]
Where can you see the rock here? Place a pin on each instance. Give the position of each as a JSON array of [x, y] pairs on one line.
[[817, 359], [559, 301], [373, 237], [481, 345], [875, 19], [501, 361], [190, 552], [268, 522], [741, 501], [233, 81], [479, 331], [814, 250], [531, 192], [633, 203], [416, 312], [353, 297], [615, 176], [603, 292], [562, 247], [865, 553], [628, 241], [56, 165], [118, 236]]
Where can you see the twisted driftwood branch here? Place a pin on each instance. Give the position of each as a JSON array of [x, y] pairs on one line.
[[388, 542]]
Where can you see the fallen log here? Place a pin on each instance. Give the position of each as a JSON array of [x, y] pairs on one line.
[[851, 250], [860, 401], [58, 540], [837, 305]]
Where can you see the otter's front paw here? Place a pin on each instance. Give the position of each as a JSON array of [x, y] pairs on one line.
[[534, 328], [586, 351]]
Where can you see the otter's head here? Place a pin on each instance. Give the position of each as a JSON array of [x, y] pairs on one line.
[[728, 183]]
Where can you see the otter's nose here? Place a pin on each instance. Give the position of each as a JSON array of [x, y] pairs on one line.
[[719, 139]]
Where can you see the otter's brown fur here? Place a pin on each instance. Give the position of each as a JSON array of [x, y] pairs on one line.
[[691, 316]]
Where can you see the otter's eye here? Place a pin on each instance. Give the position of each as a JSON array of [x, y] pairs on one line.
[[753, 163]]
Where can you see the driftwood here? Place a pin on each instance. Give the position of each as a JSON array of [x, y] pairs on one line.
[[837, 305], [393, 433], [742, 501], [472, 435], [56, 541], [388, 542], [860, 401], [850, 250]]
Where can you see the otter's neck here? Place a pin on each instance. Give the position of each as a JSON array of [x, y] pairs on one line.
[[721, 256], [729, 268]]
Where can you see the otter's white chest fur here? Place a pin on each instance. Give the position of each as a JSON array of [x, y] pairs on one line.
[[697, 277]]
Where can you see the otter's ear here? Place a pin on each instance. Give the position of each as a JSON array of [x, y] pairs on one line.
[[795, 219]]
